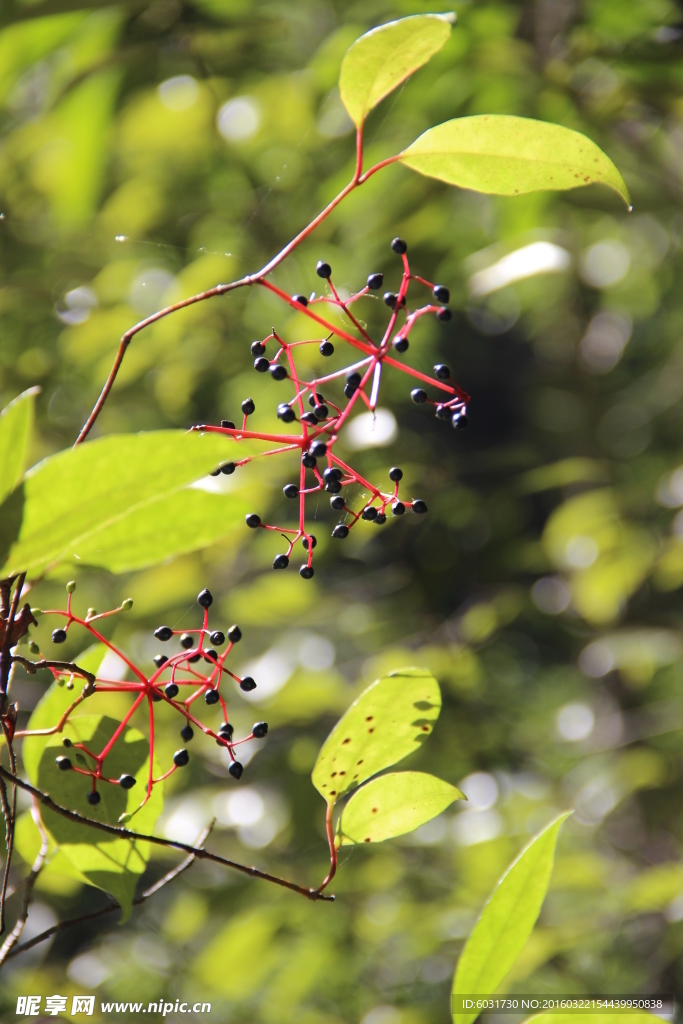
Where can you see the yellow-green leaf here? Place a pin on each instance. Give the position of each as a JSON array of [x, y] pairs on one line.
[[76, 496], [15, 425], [389, 720], [506, 922], [506, 155], [384, 57], [393, 805]]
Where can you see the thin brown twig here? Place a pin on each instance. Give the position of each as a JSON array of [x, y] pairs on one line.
[[67, 666], [31, 878], [111, 907], [123, 833]]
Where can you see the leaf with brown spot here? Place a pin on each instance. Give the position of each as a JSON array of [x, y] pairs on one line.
[[401, 705], [393, 805]]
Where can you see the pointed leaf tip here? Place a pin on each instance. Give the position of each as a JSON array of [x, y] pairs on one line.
[[502, 154], [385, 56]]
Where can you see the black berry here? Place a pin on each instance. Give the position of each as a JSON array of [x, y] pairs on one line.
[[156, 697], [419, 507], [441, 293], [248, 406], [340, 531], [419, 396], [460, 421], [194, 658], [186, 641], [186, 733], [442, 371], [126, 781], [369, 513], [66, 742], [318, 449], [234, 634], [160, 659], [63, 763], [93, 797], [349, 392], [236, 770], [205, 598], [337, 503], [163, 633], [353, 379], [332, 473], [285, 413], [391, 299], [310, 418], [326, 348], [280, 562], [252, 520], [323, 269], [301, 299], [321, 412], [181, 758], [226, 730], [290, 491], [395, 473], [247, 684], [308, 460], [262, 364], [400, 343], [260, 729], [442, 412], [380, 518], [399, 246], [375, 282], [227, 424], [398, 508], [171, 690], [217, 638], [211, 696], [257, 348], [313, 542], [306, 572], [211, 655], [444, 314], [228, 468], [333, 486], [278, 372], [58, 636]]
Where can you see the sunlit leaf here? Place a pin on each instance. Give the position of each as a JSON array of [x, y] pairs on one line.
[[170, 525], [72, 498], [507, 920], [384, 57], [506, 155], [15, 426], [389, 720], [246, 941], [393, 805], [110, 864]]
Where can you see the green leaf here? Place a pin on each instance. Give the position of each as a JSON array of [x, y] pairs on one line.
[[15, 426], [72, 498], [384, 57], [507, 920], [393, 805], [170, 525], [110, 864], [506, 155], [389, 720]]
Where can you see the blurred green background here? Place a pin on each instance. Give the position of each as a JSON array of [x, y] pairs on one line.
[[150, 150]]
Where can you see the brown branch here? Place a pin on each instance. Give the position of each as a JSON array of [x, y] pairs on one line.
[[9, 834], [36, 868], [5, 660], [111, 907], [220, 289], [123, 833], [67, 666]]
